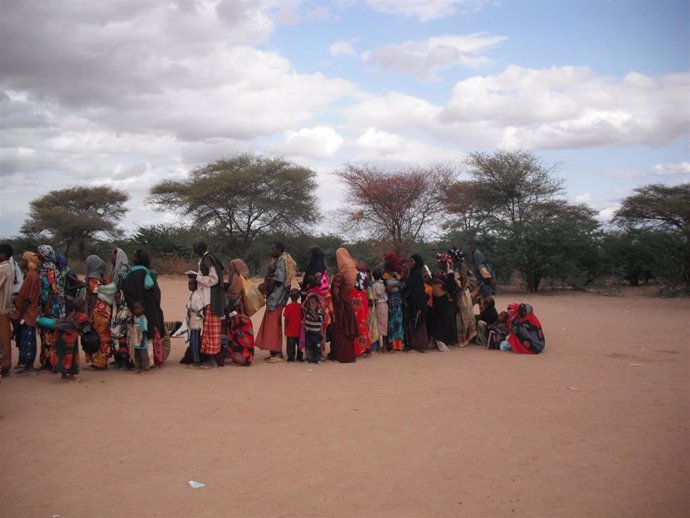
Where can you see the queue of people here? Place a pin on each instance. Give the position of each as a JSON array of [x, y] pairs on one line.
[[115, 311]]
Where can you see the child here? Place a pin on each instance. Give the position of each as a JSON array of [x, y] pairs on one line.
[[381, 298], [136, 336], [293, 326], [67, 332], [195, 321], [498, 332], [486, 320], [313, 327]]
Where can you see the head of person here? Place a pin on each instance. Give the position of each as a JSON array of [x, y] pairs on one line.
[[46, 253], [316, 254], [503, 317], [378, 274], [79, 305], [5, 251], [31, 261], [312, 302], [199, 246], [390, 261], [191, 283], [336, 282], [141, 258], [294, 294], [277, 249], [488, 302], [138, 308], [524, 310], [61, 262]]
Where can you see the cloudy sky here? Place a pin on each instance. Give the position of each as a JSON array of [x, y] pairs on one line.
[[129, 92]]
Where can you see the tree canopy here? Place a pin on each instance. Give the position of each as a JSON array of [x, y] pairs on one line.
[[76, 215], [242, 197], [397, 206], [657, 206]]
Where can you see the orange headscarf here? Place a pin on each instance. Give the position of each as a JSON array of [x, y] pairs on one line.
[[31, 260]]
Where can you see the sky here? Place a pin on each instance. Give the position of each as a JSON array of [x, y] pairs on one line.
[[127, 93]]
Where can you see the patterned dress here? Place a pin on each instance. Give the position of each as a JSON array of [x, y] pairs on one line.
[[101, 316], [51, 301]]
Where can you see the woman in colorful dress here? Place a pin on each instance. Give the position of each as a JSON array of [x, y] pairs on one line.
[[100, 311], [392, 268], [317, 282], [270, 336], [354, 281], [119, 264], [52, 301], [67, 333]]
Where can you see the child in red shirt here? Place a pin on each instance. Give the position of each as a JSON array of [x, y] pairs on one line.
[[293, 326]]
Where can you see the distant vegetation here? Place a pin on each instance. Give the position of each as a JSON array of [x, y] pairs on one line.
[[511, 208]]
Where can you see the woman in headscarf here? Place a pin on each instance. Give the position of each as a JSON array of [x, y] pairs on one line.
[[392, 268], [484, 273], [70, 281], [344, 329], [270, 335], [526, 334], [354, 281], [119, 264], [26, 313], [416, 305], [317, 282], [140, 285], [100, 310], [52, 301], [467, 288], [237, 270], [240, 327]]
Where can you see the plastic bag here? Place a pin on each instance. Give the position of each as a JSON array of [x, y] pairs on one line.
[[252, 299]]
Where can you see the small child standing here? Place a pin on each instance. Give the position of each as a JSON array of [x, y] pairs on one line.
[[313, 327], [195, 321], [293, 326], [136, 335], [381, 301]]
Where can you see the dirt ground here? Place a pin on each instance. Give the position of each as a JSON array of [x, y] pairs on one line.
[[598, 425]]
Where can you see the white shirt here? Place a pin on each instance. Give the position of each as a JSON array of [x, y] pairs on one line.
[[205, 282]]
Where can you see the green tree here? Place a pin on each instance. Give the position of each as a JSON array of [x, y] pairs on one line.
[[657, 206], [510, 208], [76, 215], [243, 197], [655, 235]]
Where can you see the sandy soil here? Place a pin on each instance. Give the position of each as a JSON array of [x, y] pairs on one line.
[[596, 426]]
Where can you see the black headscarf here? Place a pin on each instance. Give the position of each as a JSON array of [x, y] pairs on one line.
[[317, 261], [415, 292]]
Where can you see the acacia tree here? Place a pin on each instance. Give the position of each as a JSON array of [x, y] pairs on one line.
[[76, 215], [511, 203], [657, 206], [655, 234], [396, 206], [242, 197]]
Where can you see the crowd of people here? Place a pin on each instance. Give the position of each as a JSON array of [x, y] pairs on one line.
[[114, 312]]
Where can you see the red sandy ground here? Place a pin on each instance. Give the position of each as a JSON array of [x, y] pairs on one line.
[[596, 426]]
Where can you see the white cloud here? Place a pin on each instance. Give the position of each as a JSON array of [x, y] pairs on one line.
[[571, 107], [378, 146], [425, 10], [424, 58], [318, 142], [341, 48], [585, 197], [681, 168]]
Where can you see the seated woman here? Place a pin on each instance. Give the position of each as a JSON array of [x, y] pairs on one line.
[[526, 334]]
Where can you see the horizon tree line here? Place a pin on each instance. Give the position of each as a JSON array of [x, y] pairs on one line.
[[511, 207]]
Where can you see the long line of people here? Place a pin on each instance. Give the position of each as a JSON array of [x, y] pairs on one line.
[[115, 312]]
